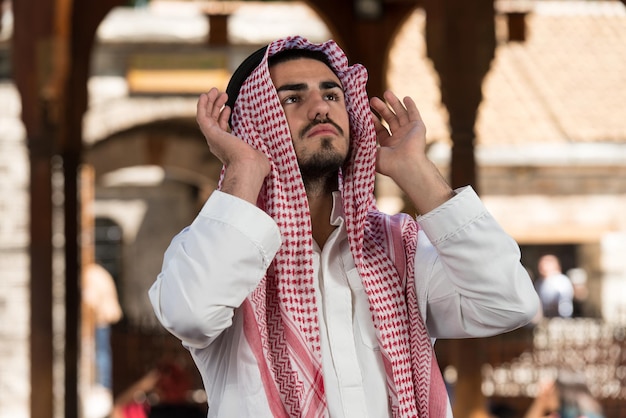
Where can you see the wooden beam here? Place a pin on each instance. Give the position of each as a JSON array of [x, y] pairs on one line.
[[365, 41], [33, 47], [84, 22], [460, 39], [53, 94]]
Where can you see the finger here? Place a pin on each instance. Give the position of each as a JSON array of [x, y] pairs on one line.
[[413, 111], [201, 106], [218, 108], [399, 110], [221, 100], [380, 129], [215, 103], [383, 110], [224, 116]]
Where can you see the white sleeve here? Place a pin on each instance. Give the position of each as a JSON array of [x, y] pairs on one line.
[[211, 267], [468, 275]]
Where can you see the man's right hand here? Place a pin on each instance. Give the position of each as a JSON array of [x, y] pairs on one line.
[[245, 167]]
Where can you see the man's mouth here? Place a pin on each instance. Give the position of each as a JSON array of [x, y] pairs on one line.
[[326, 127]]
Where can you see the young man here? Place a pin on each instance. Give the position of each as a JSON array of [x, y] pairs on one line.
[[294, 295], [555, 289]]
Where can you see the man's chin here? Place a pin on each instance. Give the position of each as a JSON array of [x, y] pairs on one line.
[[322, 164]]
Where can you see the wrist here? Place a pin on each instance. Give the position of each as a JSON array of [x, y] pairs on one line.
[[244, 180], [425, 186]]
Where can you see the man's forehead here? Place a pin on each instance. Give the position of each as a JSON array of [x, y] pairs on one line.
[[304, 71]]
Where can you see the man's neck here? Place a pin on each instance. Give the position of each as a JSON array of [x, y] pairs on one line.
[[321, 207], [320, 197]]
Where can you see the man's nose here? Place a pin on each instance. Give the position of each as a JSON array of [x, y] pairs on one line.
[[319, 107]]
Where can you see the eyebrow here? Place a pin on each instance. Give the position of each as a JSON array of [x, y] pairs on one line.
[[324, 85]]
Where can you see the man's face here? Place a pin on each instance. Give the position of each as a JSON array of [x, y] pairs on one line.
[[314, 104]]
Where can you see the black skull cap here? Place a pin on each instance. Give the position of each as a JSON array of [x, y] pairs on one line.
[[241, 74]]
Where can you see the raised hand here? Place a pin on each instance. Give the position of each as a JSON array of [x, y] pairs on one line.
[[402, 152], [246, 167], [405, 141]]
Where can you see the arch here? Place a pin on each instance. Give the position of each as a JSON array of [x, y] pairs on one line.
[[176, 145]]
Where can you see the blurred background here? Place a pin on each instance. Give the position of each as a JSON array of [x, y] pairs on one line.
[[101, 164]]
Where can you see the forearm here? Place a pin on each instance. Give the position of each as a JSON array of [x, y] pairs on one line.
[[424, 185], [244, 180]]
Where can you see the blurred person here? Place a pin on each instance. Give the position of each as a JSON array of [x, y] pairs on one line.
[[566, 397], [100, 296], [293, 293], [133, 401], [554, 288], [163, 392]]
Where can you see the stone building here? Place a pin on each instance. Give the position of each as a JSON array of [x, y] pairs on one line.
[[550, 149]]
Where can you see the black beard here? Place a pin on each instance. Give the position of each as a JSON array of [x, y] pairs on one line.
[[320, 171]]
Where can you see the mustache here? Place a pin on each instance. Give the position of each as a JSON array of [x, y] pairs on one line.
[[316, 122]]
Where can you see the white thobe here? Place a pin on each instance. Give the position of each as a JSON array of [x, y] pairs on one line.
[[468, 278]]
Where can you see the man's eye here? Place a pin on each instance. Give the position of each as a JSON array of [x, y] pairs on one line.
[[290, 99], [332, 97]]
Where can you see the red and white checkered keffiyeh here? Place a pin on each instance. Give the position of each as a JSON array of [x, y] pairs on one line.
[[281, 314]]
